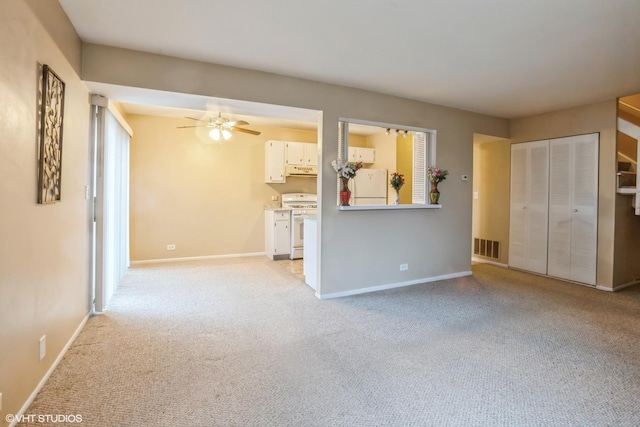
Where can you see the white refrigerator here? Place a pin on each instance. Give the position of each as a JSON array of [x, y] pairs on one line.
[[369, 187]]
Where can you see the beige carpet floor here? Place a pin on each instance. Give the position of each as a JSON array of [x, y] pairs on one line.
[[245, 343]]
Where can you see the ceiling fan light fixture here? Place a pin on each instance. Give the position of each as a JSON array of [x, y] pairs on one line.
[[226, 134], [215, 134]]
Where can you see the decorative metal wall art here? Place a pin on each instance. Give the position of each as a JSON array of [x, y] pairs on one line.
[[50, 137]]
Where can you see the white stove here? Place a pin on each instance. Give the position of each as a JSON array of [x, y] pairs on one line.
[[301, 205]]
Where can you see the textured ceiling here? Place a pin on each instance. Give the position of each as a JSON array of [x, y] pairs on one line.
[[500, 57]]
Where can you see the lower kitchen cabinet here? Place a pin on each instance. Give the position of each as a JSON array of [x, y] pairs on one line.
[[277, 234]]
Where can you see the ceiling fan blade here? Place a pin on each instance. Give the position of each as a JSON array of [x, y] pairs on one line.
[[198, 120], [237, 123], [249, 131], [184, 127]]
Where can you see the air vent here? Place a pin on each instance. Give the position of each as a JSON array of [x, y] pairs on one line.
[[486, 248]]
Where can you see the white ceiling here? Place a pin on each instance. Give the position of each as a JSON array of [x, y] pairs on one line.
[[507, 58]]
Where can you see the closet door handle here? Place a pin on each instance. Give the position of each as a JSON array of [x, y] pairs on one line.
[[575, 210]]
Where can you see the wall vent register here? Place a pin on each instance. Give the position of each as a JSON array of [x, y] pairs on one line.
[[486, 248]]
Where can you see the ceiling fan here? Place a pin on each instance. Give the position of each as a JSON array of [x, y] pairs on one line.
[[222, 127]]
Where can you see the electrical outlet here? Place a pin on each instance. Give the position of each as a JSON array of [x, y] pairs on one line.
[[464, 177], [404, 267], [171, 247], [42, 347]]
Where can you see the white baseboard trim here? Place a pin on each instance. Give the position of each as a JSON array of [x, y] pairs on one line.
[[619, 287], [393, 285], [44, 379], [486, 261], [196, 258]]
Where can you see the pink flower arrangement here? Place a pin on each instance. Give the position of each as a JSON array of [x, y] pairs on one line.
[[437, 175]]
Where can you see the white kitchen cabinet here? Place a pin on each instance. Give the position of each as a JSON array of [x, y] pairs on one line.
[[362, 154], [529, 206], [295, 153], [301, 154], [277, 236], [573, 208], [310, 154], [274, 154]]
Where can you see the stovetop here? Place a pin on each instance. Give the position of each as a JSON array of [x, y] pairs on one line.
[[300, 201], [301, 206]]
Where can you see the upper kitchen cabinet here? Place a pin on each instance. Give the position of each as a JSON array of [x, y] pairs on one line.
[[286, 158], [301, 154], [362, 154], [274, 152]]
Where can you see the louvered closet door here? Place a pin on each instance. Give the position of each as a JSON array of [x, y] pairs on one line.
[[518, 213], [537, 223], [529, 206], [573, 208]]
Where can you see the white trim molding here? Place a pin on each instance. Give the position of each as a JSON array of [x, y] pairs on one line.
[[393, 285], [196, 258], [53, 367], [618, 287]]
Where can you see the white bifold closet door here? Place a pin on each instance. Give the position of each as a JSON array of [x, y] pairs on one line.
[[573, 208], [529, 206]]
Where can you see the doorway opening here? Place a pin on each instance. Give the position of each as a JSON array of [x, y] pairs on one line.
[[490, 223]]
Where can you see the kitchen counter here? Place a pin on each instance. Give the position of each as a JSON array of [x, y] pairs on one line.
[[275, 207]]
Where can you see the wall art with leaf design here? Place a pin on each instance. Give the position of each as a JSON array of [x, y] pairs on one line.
[[50, 137]]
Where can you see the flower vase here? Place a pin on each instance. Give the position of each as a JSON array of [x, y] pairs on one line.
[[345, 193], [434, 194], [397, 197]]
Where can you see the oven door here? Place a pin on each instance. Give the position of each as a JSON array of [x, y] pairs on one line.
[[297, 236]]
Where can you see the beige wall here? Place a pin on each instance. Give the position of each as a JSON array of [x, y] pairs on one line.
[[44, 257], [599, 117], [401, 236], [357, 140], [404, 166], [207, 199], [491, 176], [626, 268]]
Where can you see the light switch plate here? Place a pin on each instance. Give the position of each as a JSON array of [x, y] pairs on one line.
[[42, 347]]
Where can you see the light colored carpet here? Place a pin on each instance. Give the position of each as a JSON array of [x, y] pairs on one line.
[[245, 343]]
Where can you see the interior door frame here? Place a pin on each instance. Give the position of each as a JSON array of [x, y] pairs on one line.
[[100, 104]]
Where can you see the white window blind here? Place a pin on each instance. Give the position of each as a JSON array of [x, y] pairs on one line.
[[419, 190], [343, 132]]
